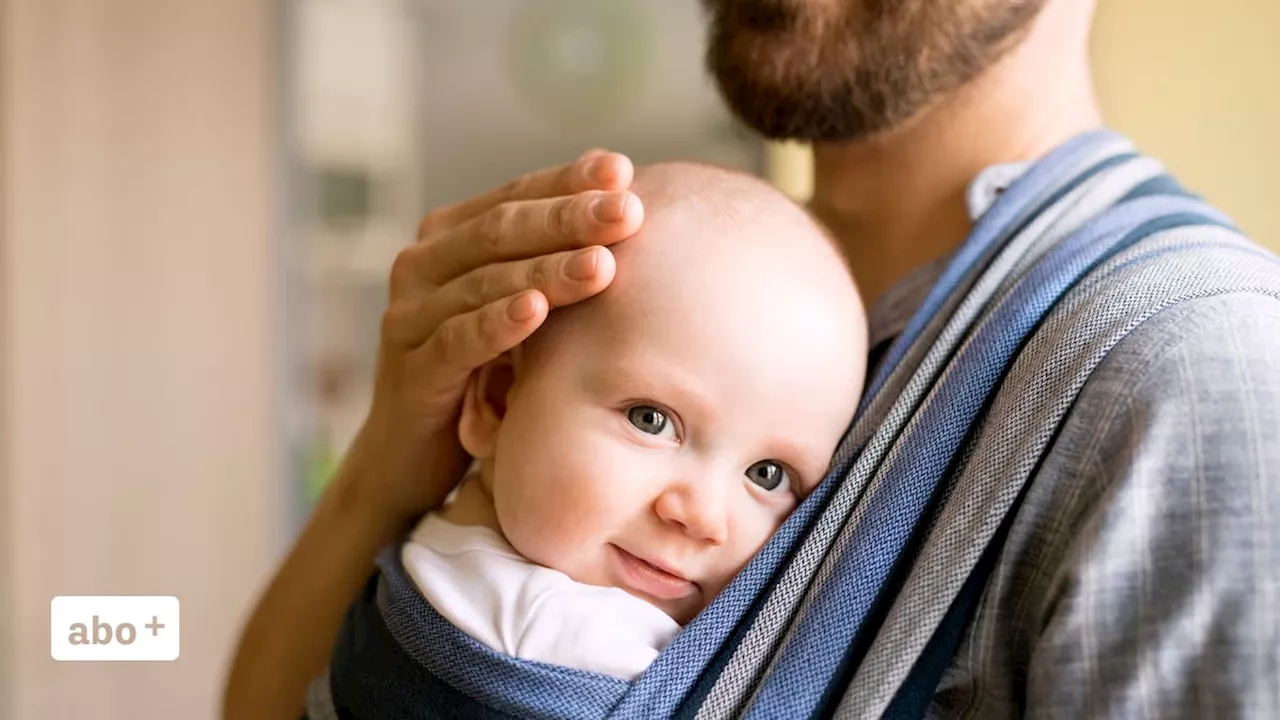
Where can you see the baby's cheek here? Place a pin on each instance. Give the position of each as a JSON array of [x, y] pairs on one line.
[[522, 503], [548, 511], [755, 526]]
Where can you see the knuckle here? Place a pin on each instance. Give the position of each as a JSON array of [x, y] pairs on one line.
[[524, 187], [392, 327], [402, 271], [430, 224], [563, 218], [407, 323], [541, 272], [494, 225], [446, 342], [488, 330], [515, 188], [480, 286]]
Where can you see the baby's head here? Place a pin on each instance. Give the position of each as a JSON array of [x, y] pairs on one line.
[[653, 437]]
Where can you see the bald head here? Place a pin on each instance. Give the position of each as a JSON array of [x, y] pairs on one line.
[[719, 249], [733, 206], [702, 222], [662, 184]]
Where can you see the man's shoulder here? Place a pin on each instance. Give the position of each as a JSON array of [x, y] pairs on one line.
[[1195, 375], [1189, 395], [1147, 526], [1223, 343], [1193, 292], [1203, 309], [1187, 318]]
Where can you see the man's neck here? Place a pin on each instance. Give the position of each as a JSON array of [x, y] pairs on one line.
[[897, 201]]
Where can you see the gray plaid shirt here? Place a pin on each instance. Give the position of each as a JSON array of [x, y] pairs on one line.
[[1141, 577]]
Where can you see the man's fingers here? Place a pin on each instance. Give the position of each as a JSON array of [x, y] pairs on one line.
[[525, 229], [465, 342], [593, 170], [562, 279]]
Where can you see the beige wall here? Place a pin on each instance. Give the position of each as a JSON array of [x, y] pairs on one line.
[[7, 625], [1197, 84], [138, 390]]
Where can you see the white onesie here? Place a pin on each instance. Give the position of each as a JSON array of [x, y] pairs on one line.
[[474, 578]]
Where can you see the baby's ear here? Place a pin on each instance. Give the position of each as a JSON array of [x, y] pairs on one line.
[[485, 405]]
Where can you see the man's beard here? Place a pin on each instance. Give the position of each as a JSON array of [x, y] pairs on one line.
[[838, 70]]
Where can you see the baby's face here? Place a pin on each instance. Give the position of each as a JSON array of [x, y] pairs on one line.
[[656, 436]]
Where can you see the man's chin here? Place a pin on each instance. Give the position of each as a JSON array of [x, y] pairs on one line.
[[799, 110], [800, 69], [794, 94]]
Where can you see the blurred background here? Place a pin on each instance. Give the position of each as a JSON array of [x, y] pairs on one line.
[[199, 200]]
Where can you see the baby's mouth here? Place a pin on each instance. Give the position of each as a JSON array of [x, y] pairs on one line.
[[650, 579]]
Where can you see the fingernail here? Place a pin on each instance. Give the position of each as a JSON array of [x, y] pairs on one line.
[[610, 207], [581, 266], [523, 307]]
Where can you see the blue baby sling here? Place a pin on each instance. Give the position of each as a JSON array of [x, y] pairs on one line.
[[857, 606]]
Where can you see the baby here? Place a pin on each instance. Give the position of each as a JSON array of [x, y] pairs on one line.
[[637, 450]]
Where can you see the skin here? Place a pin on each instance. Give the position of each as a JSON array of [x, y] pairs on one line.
[[484, 274], [733, 316], [904, 111]]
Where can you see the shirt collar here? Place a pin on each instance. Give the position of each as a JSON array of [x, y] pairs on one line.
[[990, 184], [893, 310]]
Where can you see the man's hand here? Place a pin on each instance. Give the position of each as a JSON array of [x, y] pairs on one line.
[[480, 279]]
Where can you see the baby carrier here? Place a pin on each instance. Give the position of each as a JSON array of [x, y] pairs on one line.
[[857, 605]]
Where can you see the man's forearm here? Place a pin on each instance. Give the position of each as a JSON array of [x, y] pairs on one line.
[[287, 641]]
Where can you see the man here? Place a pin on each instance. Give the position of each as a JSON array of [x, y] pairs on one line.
[[1139, 576], [1151, 591]]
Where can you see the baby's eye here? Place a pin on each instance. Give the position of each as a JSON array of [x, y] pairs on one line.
[[650, 420], [769, 475]]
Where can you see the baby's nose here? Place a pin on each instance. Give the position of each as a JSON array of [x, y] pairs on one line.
[[697, 508]]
